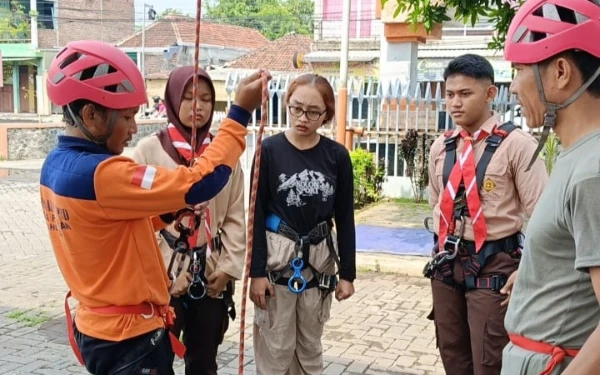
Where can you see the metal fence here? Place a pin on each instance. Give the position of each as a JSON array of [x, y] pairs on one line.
[[381, 111]]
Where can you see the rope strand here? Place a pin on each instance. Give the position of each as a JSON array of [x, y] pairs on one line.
[[250, 230], [195, 80]]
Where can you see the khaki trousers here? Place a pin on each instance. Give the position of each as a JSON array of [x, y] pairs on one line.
[[287, 336], [470, 326], [518, 361]]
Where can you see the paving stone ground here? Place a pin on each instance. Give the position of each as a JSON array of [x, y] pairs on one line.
[[382, 329]]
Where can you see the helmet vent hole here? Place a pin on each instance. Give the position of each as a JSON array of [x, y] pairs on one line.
[[560, 13], [70, 59]]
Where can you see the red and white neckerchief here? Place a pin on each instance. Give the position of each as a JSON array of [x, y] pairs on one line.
[[185, 149], [464, 169]]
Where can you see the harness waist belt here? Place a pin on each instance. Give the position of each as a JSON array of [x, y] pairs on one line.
[[315, 236], [147, 310], [322, 231], [558, 354], [507, 244]]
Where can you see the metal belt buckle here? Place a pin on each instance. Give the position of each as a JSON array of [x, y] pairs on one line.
[[497, 282], [429, 268], [322, 229], [324, 281]]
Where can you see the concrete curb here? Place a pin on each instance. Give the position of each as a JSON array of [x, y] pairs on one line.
[[404, 265]]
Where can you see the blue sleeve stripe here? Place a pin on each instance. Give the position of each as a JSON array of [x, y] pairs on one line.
[[239, 115], [208, 188]]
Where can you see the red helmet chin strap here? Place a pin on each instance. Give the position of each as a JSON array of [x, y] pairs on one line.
[[552, 108]]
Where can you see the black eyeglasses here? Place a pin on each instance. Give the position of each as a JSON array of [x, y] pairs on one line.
[[311, 115]]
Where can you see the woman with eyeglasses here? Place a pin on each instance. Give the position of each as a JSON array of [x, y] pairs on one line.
[[298, 261]]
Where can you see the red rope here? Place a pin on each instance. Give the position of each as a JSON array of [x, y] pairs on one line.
[[250, 230], [195, 89]]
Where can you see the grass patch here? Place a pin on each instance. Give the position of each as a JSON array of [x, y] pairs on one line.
[[408, 202], [29, 318]]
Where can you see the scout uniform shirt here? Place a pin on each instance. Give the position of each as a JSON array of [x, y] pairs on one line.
[[99, 209], [227, 212], [507, 189]]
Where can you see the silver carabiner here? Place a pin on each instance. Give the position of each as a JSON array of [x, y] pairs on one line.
[[426, 223], [458, 239], [198, 285]]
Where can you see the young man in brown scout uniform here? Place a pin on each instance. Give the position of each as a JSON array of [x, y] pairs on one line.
[[480, 193]]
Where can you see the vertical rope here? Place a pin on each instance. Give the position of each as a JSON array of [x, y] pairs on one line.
[[250, 230], [195, 80]]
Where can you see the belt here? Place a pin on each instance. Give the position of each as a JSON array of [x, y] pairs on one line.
[[557, 353], [147, 310]]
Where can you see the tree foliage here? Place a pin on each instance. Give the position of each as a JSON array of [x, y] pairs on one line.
[[14, 25], [273, 18], [173, 12], [368, 177], [430, 12]]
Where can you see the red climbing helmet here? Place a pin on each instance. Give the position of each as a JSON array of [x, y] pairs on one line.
[[544, 28], [95, 71]]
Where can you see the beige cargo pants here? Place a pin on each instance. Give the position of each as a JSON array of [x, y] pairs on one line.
[[287, 336]]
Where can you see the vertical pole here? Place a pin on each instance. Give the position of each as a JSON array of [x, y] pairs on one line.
[[102, 20], [143, 54], [56, 20], [16, 88], [33, 13], [342, 110]]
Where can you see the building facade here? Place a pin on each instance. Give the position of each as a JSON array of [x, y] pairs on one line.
[[39, 28]]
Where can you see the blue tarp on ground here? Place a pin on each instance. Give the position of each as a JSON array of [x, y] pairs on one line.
[[396, 241]]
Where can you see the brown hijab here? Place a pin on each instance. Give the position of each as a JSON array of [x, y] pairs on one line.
[[176, 84]]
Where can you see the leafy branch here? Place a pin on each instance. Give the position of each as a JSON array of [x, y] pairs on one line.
[[431, 12], [14, 26]]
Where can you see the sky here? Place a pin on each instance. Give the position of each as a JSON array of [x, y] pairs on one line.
[[187, 6]]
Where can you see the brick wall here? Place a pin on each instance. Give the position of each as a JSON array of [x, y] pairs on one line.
[[155, 63], [107, 20]]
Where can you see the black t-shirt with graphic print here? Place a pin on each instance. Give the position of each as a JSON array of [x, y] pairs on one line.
[[304, 188]]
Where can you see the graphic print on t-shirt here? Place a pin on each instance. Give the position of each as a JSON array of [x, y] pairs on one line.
[[307, 183]]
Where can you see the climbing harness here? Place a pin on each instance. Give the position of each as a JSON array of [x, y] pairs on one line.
[[147, 310], [253, 191], [296, 283], [183, 247], [264, 109], [440, 266]]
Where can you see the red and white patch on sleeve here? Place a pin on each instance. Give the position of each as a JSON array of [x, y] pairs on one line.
[[144, 176]]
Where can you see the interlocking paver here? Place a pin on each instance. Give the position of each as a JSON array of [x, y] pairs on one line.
[[382, 330]]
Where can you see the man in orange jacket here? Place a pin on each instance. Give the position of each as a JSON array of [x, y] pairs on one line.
[[103, 209]]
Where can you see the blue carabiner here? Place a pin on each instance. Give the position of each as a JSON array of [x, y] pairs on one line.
[[297, 265]]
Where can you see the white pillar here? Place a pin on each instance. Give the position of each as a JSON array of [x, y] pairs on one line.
[[34, 23], [398, 61]]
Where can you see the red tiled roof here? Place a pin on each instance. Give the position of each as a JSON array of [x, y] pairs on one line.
[[182, 30], [276, 56]]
